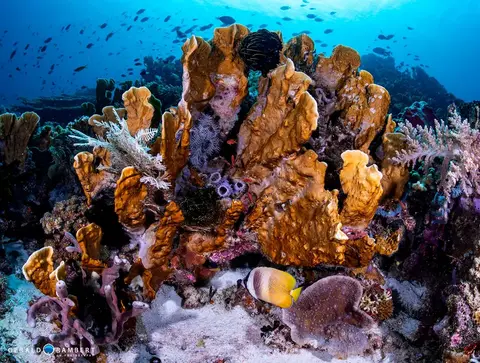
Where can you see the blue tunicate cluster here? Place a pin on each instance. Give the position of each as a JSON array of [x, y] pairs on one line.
[[239, 187], [226, 188]]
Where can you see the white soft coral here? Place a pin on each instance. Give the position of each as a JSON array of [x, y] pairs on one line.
[[457, 143], [127, 150]]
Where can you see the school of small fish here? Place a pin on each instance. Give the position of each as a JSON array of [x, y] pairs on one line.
[[93, 39]]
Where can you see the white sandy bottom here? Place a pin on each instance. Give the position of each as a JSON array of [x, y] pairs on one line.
[[173, 334], [208, 334]]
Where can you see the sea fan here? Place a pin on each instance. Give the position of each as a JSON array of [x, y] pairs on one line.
[[456, 143], [127, 150]]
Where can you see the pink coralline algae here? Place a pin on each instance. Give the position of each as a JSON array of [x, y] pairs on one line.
[[239, 245]]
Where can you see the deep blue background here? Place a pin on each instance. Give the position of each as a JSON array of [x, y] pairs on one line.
[[445, 36]]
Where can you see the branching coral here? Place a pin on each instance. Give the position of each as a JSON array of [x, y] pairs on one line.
[[127, 150], [456, 143]]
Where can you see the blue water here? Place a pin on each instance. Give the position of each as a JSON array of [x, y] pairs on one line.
[[444, 36]]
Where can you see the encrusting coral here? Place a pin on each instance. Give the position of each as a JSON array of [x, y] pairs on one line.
[[14, 135]]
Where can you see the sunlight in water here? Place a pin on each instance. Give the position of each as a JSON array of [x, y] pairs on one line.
[[345, 8]]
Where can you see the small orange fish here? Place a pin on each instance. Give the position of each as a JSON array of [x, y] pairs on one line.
[[231, 142]]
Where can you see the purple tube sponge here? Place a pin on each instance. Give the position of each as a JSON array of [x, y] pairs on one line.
[[91, 298], [224, 190], [215, 178], [73, 331], [239, 187], [327, 315]]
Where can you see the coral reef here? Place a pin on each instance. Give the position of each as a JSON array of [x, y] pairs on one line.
[[58, 109], [407, 86], [264, 155], [261, 142]]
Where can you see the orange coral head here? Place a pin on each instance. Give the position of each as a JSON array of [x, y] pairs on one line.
[[38, 269], [139, 109]]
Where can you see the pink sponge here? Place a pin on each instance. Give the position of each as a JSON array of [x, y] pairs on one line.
[[327, 316]]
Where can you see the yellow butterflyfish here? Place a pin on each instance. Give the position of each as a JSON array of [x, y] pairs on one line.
[[273, 286]]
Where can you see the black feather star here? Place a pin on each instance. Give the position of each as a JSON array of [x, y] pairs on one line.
[[261, 51]]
